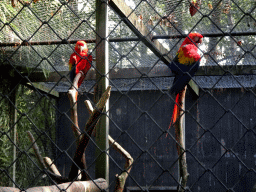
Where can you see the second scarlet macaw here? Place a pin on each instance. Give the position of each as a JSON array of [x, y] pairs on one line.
[[184, 66], [79, 62]]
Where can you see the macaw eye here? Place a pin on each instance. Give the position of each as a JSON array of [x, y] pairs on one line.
[[198, 40]]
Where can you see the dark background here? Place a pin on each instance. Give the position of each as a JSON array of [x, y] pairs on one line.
[[220, 138]]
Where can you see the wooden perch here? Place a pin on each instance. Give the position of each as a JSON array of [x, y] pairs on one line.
[[121, 179], [97, 185], [89, 106], [72, 95], [50, 165], [180, 138], [55, 175], [36, 151], [90, 110], [83, 142]]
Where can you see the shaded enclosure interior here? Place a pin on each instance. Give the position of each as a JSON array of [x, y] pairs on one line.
[[220, 145]]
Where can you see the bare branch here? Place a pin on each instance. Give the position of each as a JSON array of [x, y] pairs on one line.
[[89, 106], [83, 142], [51, 166], [72, 95], [90, 110], [56, 177], [121, 179], [180, 138], [36, 151]]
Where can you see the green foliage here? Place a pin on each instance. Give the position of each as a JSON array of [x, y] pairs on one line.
[[39, 118], [5, 144]]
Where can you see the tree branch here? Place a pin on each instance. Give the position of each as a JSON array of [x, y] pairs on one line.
[[51, 166], [89, 106], [36, 151], [72, 95], [43, 163], [121, 179], [83, 142], [180, 138]]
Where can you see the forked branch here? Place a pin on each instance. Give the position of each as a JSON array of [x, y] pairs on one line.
[[84, 140], [120, 179]]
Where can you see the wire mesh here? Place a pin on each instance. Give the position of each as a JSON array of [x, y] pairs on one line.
[[36, 40]]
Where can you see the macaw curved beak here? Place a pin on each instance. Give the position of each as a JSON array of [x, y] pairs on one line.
[[200, 40], [81, 48], [197, 40]]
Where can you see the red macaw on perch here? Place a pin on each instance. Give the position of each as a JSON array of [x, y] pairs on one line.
[[79, 65], [184, 66]]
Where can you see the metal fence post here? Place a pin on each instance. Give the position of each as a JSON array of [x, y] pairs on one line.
[[102, 67], [13, 126]]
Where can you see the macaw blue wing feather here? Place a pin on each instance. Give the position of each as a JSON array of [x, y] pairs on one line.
[[183, 74]]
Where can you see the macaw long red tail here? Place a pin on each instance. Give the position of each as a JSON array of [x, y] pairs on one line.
[[175, 110]]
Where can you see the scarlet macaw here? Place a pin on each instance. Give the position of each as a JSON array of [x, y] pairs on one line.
[[184, 66], [79, 62]]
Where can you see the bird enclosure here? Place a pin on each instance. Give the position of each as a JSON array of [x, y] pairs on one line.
[[118, 135]]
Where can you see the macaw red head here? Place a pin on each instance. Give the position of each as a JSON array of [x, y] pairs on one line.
[[81, 47], [195, 37]]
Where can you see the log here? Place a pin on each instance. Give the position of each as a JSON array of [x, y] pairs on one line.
[[97, 185]]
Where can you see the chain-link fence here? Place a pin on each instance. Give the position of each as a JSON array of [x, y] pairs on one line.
[[142, 36]]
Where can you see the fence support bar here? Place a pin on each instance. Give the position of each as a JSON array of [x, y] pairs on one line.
[[13, 126], [102, 67]]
